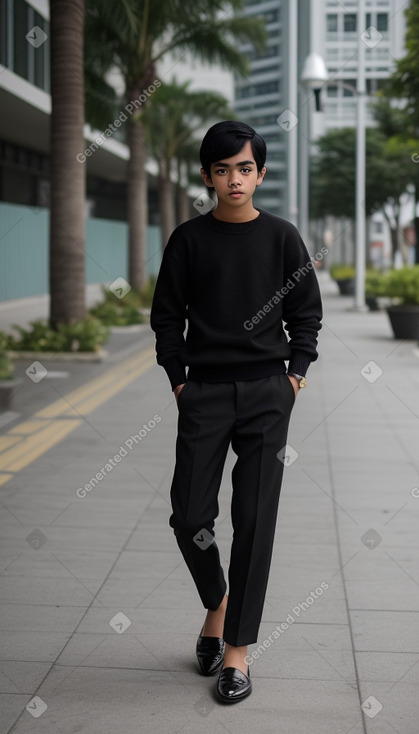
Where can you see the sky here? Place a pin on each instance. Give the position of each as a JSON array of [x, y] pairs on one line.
[[202, 77]]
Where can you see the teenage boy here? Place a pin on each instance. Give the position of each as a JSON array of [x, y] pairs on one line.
[[235, 274]]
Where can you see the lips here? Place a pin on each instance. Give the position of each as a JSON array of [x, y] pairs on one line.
[[236, 194]]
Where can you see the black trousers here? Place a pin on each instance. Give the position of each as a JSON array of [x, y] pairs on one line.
[[253, 415]]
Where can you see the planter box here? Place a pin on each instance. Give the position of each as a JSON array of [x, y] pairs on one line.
[[7, 390], [404, 321], [346, 286], [98, 356], [372, 303]]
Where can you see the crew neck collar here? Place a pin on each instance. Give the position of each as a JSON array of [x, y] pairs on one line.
[[220, 225]]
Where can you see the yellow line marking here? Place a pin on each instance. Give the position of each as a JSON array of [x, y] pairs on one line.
[[6, 441], [62, 407], [5, 478], [29, 427], [33, 446], [96, 400], [35, 437]]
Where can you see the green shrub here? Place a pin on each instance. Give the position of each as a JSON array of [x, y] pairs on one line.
[[116, 314], [115, 311], [403, 284], [6, 364], [147, 292], [342, 272], [374, 283], [83, 336]]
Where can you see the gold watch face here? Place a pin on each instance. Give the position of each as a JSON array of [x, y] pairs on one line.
[[303, 382]]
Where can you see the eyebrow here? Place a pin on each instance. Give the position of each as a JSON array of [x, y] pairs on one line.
[[227, 165]]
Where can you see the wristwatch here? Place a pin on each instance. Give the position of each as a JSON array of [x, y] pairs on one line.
[[302, 382]]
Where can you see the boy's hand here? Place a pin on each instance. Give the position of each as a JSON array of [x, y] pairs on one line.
[[294, 383], [177, 390]]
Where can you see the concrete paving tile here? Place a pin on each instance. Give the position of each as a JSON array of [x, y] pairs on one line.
[[152, 536], [64, 538], [159, 702], [145, 564], [11, 706], [21, 677], [399, 706], [380, 593], [324, 610], [66, 592], [27, 646], [306, 664], [388, 667], [147, 620], [72, 510], [383, 631], [299, 635], [171, 594], [42, 618], [46, 564], [113, 650], [299, 555]]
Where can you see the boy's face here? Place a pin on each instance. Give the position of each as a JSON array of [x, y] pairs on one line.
[[235, 179]]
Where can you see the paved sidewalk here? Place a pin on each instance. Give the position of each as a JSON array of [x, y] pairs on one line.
[[99, 616]]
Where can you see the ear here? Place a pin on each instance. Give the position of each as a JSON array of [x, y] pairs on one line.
[[206, 179], [261, 176]]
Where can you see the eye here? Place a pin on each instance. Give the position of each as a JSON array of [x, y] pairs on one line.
[[245, 170], [220, 170]]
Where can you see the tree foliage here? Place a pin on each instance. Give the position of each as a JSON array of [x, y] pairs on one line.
[[333, 173]]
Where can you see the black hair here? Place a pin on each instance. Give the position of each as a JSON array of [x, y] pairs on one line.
[[227, 138]]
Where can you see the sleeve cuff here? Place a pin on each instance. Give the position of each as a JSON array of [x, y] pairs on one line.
[[175, 372], [299, 363]]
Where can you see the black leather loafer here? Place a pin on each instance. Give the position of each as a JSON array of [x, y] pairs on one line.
[[210, 654], [233, 685]]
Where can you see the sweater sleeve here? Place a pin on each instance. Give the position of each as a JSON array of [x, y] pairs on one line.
[[169, 312], [302, 307]]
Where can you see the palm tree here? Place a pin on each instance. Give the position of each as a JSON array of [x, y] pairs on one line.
[[67, 223], [171, 120], [135, 35]]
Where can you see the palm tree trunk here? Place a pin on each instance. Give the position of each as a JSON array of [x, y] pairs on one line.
[[183, 205], [137, 202], [67, 215], [166, 202], [182, 198]]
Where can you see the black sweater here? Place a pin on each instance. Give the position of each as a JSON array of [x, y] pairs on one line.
[[235, 284]]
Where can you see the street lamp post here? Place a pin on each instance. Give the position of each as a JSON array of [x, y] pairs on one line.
[[360, 247], [314, 77]]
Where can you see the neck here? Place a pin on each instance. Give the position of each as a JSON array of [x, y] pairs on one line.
[[236, 215]]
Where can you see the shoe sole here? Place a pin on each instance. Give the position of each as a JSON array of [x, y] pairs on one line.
[[235, 699]]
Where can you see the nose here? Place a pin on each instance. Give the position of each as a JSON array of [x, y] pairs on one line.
[[234, 179]]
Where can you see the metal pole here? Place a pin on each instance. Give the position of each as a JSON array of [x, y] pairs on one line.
[[303, 211], [360, 245], [293, 106]]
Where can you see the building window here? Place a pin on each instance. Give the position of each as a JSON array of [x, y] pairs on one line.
[[348, 92], [332, 91], [20, 44], [382, 22], [349, 22], [378, 20], [332, 22]]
